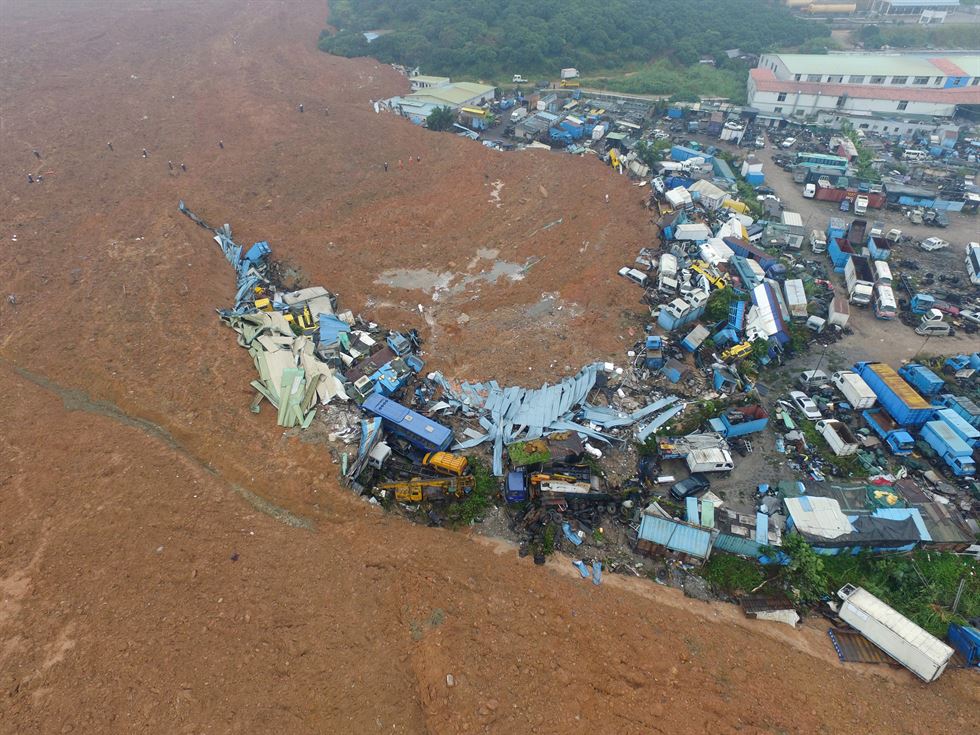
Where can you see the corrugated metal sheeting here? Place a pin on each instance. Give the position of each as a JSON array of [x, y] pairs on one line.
[[515, 414], [676, 536]]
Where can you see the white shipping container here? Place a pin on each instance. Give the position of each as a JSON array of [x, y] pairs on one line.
[[839, 311], [917, 650], [795, 298], [710, 460]]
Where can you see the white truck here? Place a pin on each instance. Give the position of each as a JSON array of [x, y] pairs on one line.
[[818, 242], [859, 279], [973, 262], [917, 650], [667, 277], [854, 389], [860, 204], [569, 73], [883, 302], [838, 436]]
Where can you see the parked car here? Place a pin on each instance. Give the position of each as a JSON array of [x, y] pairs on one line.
[[933, 243], [845, 205], [788, 143], [813, 379], [971, 315], [809, 191], [805, 405], [941, 220], [692, 485], [760, 142]]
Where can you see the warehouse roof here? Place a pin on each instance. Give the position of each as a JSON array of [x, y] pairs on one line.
[[456, 93], [765, 81], [881, 64]]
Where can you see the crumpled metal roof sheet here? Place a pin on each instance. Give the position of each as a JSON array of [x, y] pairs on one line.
[[512, 414]]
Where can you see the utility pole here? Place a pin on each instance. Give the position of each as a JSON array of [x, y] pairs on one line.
[[959, 593]]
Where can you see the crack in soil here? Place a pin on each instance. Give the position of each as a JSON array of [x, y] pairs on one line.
[[78, 400]]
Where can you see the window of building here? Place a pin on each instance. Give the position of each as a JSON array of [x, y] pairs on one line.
[[814, 77], [781, 97], [921, 80], [841, 100], [856, 80], [975, 81], [900, 80], [777, 109], [939, 80], [863, 126], [797, 77], [903, 105], [835, 80], [877, 80]]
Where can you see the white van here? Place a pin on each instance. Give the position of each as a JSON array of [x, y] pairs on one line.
[[809, 191], [637, 277], [934, 329]]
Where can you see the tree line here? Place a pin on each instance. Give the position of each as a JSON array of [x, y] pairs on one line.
[[486, 40]]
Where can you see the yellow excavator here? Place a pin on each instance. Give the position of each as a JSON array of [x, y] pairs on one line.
[[446, 463], [737, 352], [717, 281], [417, 489]]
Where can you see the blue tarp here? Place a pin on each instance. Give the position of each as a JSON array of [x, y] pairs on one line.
[[331, 328]]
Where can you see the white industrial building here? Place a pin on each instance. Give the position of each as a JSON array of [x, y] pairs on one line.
[[870, 90], [930, 10]]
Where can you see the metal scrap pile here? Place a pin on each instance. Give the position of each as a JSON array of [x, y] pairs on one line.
[[509, 415], [304, 352]]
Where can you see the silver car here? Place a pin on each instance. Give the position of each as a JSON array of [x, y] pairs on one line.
[[805, 405]]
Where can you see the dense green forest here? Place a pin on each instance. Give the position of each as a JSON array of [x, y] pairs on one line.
[[493, 40]]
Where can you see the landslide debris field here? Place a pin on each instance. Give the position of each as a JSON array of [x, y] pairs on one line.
[[170, 562]]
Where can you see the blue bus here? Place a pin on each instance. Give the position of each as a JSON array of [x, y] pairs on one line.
[[413, 427], [822, 160]]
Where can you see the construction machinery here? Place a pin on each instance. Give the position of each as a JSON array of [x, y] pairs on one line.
[[418, 489], [446, 463], [716, 280], [737, 352]]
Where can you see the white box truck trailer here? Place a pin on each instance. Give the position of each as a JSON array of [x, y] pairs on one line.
[[854, 389], [917, 650]]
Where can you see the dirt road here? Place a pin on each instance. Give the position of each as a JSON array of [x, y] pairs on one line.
[[170, 562]]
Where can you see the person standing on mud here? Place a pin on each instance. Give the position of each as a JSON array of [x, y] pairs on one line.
[[386, 165]]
